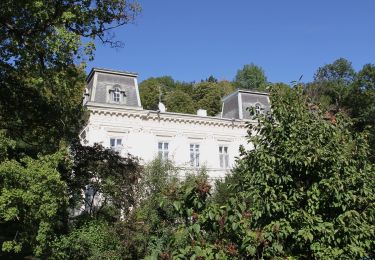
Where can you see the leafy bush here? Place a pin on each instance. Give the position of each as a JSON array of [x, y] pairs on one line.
[[305, 191], [94, 240]]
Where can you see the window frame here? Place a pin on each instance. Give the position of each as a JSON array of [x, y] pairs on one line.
[[224, 156], [163, 151], [117, 147], [116, 95], [258, 109], [194, 152]]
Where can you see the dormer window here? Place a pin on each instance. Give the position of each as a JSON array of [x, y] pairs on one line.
[[86, 96], [258, 109], [116, 95]]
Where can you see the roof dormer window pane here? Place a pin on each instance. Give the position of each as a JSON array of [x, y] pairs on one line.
[[116, 95], [258, 109]]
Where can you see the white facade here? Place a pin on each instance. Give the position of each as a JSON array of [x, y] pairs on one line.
[[190, 141]]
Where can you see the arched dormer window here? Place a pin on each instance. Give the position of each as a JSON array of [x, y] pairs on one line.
[[116, 95], [86, 96], [258, 109]]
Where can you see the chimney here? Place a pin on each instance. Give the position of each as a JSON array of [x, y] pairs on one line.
[[202, 112]]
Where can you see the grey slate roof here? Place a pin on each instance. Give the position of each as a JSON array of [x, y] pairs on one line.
[[102, 82], [238, 105]]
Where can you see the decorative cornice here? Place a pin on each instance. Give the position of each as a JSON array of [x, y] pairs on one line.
[[165, 117], [249, 91], [110, 71]]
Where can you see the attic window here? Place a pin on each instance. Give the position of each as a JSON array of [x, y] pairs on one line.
[[258, 109], [86, 96], [116, 95]]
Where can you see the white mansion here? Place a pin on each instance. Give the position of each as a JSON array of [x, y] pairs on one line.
[[117, 120]]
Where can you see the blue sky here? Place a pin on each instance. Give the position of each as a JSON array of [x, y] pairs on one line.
[[191, 40]]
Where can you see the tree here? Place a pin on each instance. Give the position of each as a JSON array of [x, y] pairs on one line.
[[186, 87], [208, 95], [340, 70], [337, 87], [151, 89], [226, 87], [180, 102], [151, 223], [331, 84], [41, 110], [108, 178], [308, 184], [361, 104], [40, 85], [305, 191], [33, 200], [212, 79], [93, 240], [251, 76]]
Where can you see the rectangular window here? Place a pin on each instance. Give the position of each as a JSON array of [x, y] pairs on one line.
[[224, 157], [163, 150], [194, 155], [115, 144], [89, 197]]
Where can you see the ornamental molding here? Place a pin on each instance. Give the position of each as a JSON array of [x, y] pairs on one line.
[[149, 115]]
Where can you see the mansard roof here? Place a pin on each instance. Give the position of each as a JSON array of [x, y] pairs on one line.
[[111, 71], [119, 89], [102, 82], [237, 105]]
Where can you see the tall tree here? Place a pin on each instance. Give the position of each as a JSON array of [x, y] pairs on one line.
[[208, 95], [251, 76], [109, 179], [33, 203], [151, 89], [360, 102], [331, 84], [180, 102], [308, 183], [40, 84], [306, 191]]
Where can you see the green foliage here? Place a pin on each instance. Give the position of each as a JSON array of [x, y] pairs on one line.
[[251, 76], [110, 179], [204, 229], [150, 90], [31, 202], [337, 87], [5, 145], [305, 191], [180, 102], [94, 240], [308, 184], [361, 104], [154, 226], [183, 97], [207, 95], [41, 110], [340, 70], [211, 78], [150, 224], [41, 84], [331, 84]]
